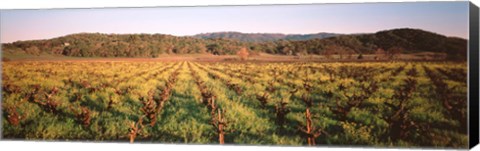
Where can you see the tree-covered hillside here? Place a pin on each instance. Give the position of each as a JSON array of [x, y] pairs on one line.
[[124, 45], [148, 45], [263, 37]]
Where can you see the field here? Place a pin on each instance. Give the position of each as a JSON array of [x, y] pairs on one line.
[[420, 104]]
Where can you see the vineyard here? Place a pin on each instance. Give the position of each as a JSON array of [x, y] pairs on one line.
[[421, 104]]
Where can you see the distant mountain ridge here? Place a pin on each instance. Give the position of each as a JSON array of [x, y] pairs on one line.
[[403, 40], [264, 37]]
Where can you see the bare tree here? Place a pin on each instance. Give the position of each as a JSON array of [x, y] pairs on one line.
[[243, 53]]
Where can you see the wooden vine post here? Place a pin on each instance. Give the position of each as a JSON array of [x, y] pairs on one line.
[[220, 123], [135, 129], [308, 129], [149, 108]]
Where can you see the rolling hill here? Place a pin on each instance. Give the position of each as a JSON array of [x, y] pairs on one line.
[[403, 40], [263, 37]]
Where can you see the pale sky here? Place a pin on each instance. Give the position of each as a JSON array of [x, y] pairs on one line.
[[447, 18]]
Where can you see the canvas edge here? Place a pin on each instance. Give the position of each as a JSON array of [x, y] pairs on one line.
[[473, 59]]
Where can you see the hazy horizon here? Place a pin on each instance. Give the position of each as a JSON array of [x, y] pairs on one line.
[[445, 18]]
